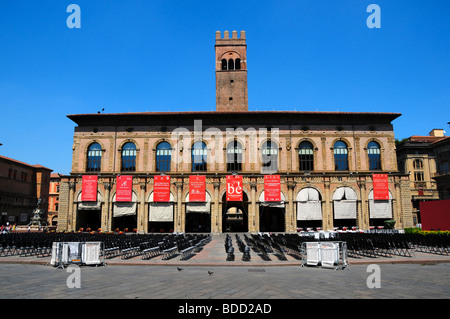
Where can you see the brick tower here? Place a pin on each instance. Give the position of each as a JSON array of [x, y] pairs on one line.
[[231, 72]]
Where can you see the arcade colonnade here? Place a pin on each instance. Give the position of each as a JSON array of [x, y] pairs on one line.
[[324, 202]]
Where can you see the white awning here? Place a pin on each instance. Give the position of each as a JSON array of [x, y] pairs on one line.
[[279, 204], [309, 206], [199, 207], [380, 208], [344, 202], [90, 205], [125, 208], [160, 212]]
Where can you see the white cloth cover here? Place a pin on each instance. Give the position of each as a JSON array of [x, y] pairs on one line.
[[344, 200], [199, 207], [90, 205], [380, 208], [309, 206], [329, 253], [125, 208], [91, 253], [279, 204], [312, 253], [161, 212]]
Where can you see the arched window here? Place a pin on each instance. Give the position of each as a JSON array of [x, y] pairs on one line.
[[373, 152], [230, 64], [234, 156], [94, 158], [199, 155], [418, 164], [163, 157], [224, 64], [269, 157], [306, 156], [238, 64], [128, 157], [340, 156]]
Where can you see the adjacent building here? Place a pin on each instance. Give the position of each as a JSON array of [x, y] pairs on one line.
[[21, 187], [321, 165], [426, 160], [53, 200]]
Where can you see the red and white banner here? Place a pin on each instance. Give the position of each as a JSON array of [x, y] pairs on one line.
[[124, 188], [272, 188], [161, 188], [197, 188], [380, 187], [89, 188], [234, 188]]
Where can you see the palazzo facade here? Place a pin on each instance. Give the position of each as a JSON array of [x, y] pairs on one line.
[[325, 163]]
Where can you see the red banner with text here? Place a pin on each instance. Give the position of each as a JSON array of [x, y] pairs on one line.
[[161, 188], [197, 188], [380, 187], [272, 189], [124, 188], [89, 188], [234, 188]]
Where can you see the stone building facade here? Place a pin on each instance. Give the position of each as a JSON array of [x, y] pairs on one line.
[[325, 162], [21, 186]]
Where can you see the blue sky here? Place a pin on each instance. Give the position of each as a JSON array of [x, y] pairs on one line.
[[147, 55]]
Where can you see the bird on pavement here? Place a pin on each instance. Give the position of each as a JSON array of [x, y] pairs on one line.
[[179, 269], [210, 272]]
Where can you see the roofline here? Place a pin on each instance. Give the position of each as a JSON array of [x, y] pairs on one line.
[[77, 117], [23, 163]]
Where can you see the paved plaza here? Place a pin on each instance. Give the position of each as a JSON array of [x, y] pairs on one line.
[[208, 275]]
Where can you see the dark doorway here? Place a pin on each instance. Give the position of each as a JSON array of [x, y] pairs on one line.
[[198, 222], [271, 219], [89, 219], [235, 215]]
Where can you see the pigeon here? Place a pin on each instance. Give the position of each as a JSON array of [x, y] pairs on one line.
[[179, 269], [210, 273]]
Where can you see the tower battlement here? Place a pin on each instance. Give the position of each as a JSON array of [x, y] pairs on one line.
[[231, 72]]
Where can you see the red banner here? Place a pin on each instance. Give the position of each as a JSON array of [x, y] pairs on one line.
[[89, 188], [124, 187], [197, 188], [380, 187], [161, 188], [234, 188], [272, 189]]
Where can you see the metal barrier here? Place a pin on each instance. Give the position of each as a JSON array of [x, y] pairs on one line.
[[328, 254], [81, 253]]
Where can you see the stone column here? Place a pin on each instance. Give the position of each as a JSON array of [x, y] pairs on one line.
[[106, 210], [253, 225], [363, 213], [178, 220], [397, 207], [291, 220], [142, 226], [216, 214], [327, 214], [71, 213]]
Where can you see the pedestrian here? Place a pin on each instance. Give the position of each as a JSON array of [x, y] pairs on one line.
[[29, 228]]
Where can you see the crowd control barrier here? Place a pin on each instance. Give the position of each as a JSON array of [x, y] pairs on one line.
[[329, 254], [81, 253]]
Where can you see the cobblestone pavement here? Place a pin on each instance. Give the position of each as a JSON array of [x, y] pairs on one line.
[[22, 281]]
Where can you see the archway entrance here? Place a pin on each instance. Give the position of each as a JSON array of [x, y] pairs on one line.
[[89, 214], [271, 215], [198, 215], [235, 215], [125, 214]]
